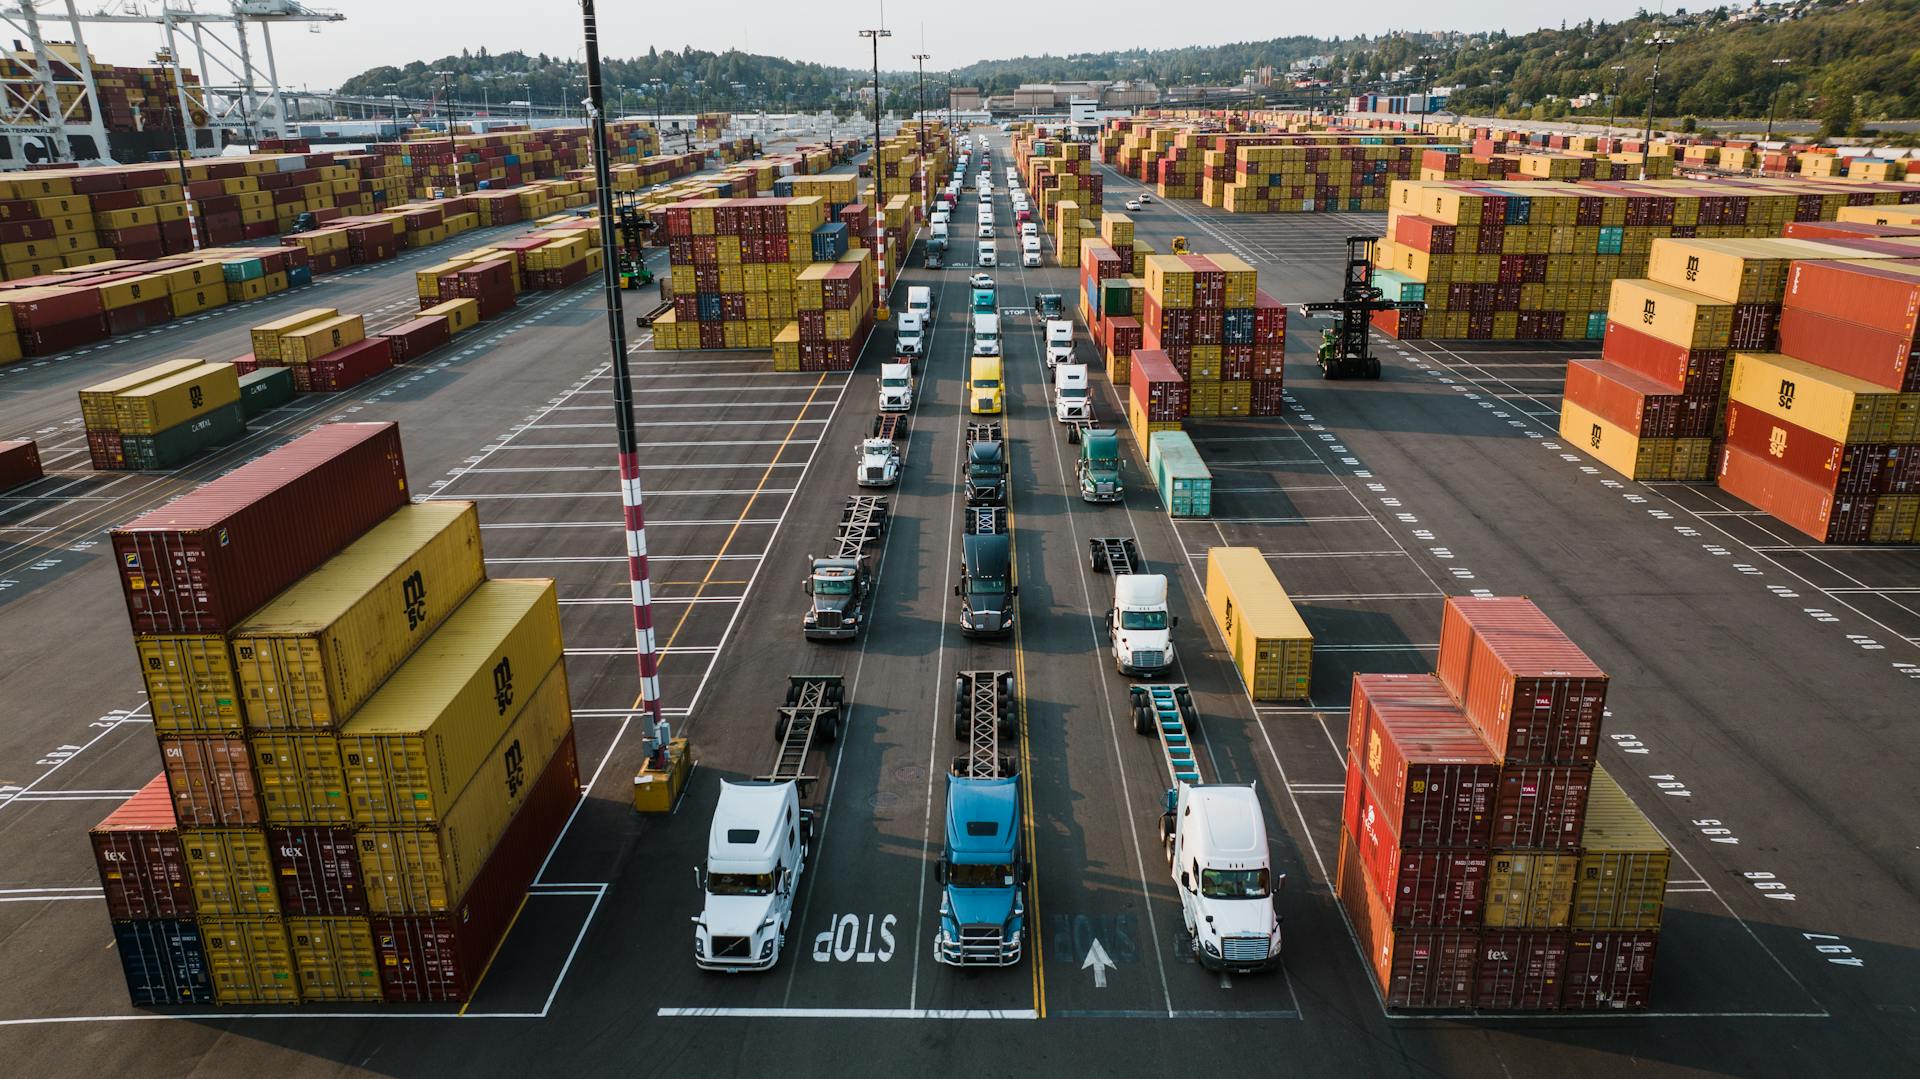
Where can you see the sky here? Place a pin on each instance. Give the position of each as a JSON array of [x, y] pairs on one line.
[[379, 32]]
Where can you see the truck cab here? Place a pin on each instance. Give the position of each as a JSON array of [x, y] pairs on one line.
[[983, 874], [1216, 841], [1139, 627], [896, 386], [986, 588], [838, 590], [909, 334], [755, 852], [1070, 400], [1099, 466], [983, 372], [1059, 341]]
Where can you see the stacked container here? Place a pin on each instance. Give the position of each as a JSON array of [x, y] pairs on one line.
[[1225, 337], [1477, 824], [353, 722], [1268, 640]]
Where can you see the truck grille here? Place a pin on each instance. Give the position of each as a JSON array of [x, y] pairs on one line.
[[733, 948], [1148, 660], [1243, 949]]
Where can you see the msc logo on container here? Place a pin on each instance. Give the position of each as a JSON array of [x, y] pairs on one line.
[[503, 684], [414, 596], [1786, 393], [515, 759]]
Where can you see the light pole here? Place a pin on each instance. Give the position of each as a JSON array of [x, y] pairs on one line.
[[921, 59], [1779, 64], [879, 178], [446, 108], [1658, 41]]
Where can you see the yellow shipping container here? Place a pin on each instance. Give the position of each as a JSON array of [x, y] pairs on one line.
[[461, 315], [300, 778], [157, 406], [418, 741], [311, 342], [1636, 458], [249, 961], [1623, 863], [1828, 403], [1530, 889], [191, 687], [318, 651], [231, 870], [1266, 636], [427, 870], [266, 336], [335, 958], [98, 408]]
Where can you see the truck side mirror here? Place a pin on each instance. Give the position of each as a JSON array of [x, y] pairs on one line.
[[940, 871]]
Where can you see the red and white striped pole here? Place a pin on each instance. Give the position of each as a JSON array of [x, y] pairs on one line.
[[633, 514]]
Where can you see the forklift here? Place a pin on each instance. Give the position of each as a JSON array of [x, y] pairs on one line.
[[633, 226], [1346, 348]]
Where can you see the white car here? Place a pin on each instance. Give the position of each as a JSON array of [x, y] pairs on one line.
[[1133, 204]]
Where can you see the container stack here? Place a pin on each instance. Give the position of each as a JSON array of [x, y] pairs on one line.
[[1225, 337], [1270, 643], [368, 745], [1486, 862]]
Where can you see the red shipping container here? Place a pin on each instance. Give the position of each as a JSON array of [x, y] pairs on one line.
[[318, 870], [1863, 292], [1156, 384], [440, 957], [135, 317], [203, 562], [212, 780], [1541, 806], [1413, 968], [1839, 468], [1882, 358], [1522, 969], [1637, 404], [1419, 887], [1528, 689], [19, 463], [1607, 971], [1812, 508], [412, 340], [1432, 776], [142, 863], [346, 368]]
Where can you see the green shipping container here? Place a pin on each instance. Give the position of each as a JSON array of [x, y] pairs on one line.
[[269, 387], [184, 441], [1181, 477]]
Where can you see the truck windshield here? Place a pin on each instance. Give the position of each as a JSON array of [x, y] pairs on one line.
[[980, 876], [1143, 620], [740, 883], [986, 586], [833, 586], [1233, 883]]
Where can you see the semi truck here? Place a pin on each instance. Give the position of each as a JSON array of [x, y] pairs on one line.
[[1098, 466], [839, 584], [1139, 629], [762, 836], [883, 453], [983, 869], [1215, 837]]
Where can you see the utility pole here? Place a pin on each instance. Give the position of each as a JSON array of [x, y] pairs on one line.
[[631, 502], [921, 59], [1779, 64], [879, 179], [1658, 41]]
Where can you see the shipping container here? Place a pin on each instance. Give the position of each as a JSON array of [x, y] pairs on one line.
[[1530, 691], [1624, 863], [19, 463], [1422, 887], [1413, 968], [1541, 806], [211, 777], [440, 957], [318, 870], [250, 961], [1609, 971], [334, 958], [231, 870], [203, 562], [1270, 644], [142, 862], [1522, 969], [427, 870], [1181, 477], [168, 402], [1435, 779], [314, 654], [1530, 889], [419, 741], [164, 961]]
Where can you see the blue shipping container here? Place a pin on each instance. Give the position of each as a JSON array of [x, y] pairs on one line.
[[164, 961]]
